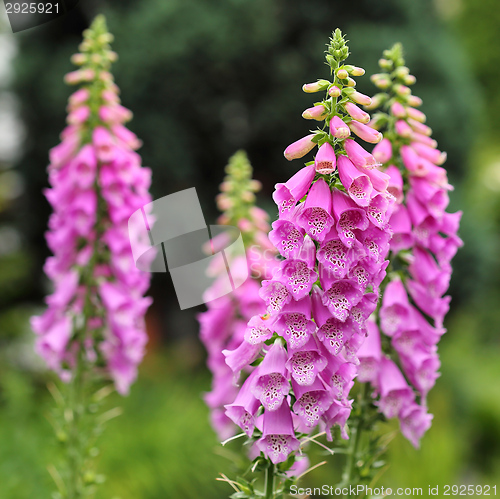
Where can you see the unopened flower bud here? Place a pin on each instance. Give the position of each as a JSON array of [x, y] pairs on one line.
[[105, 38], [223, 202], [105, 76], [402, 89], [317, 113], [300, 147], [255, 185], [423, 139], [414, 101], [339, 129], [357, 71], [381, 80], [78, 59], [365, 132], [87, 74], [430, 153], [78, 98], [110, 97], [78, 76], [258, 214], [356, 113], [334, 91], [85, 46], [377, 101], [248, 196], [360, 98], [402, 71], [385, 64], [403, 129], [420, 127], [409, 80], [359, 156], [245, 225], [342, 74], [317, 86], [416, 114], [351, 82], [223, 219], [398, 110], [115, 114], [331, 60]]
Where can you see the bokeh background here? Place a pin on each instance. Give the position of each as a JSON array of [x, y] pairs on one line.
[[205, 78]]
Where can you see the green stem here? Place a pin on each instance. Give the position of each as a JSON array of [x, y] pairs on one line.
[[79, 428], [75, 451], [349, 471], [77, 402], [270, 482]]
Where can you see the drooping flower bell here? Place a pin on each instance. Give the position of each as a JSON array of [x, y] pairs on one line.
[[96, 312]]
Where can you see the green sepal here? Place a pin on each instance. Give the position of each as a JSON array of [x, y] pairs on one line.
[[258, 361], [286, 465], [260, 463], [324, 84], [319, 135], [348, 91], [245, 486], [271, 341]]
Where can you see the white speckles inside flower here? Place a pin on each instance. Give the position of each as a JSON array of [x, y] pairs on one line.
[[271, 390], [303, 368], [317, 221], [297, 329], [311, 406]]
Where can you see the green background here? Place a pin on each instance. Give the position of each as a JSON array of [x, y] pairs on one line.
[[203, 79]]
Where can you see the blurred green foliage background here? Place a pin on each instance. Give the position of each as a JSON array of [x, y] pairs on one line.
[[205, 78]]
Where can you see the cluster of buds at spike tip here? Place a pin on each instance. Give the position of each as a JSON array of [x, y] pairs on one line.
[[424, 241], [300, 357], [237, 199], [223, 324], [96, 313], [339, 110]]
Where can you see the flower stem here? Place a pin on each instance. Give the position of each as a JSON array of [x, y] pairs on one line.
[[349, 471], [270, 482], [73, 416]]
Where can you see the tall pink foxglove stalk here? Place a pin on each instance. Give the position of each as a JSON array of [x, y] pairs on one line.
[[424, 242], [333, 235], [93, 327]]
